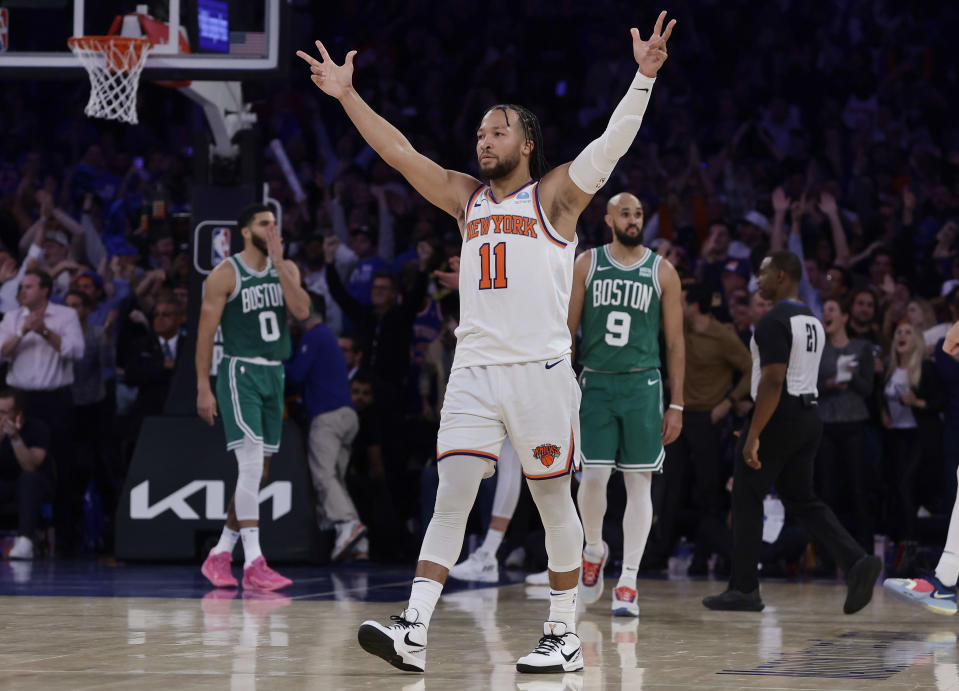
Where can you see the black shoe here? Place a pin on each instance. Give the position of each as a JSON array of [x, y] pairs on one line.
[[736, 601], [860, 581]]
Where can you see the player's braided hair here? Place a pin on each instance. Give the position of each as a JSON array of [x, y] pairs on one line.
[[538, 167]]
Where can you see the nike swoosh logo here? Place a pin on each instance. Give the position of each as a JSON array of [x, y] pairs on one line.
[[636, 88], [477, 204], [652, 381], [549, 366], [603, 268], [571, 655], [947, 596], [413, 644], [245, 278]]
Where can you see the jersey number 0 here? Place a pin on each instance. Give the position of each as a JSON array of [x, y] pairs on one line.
[[487, 280]]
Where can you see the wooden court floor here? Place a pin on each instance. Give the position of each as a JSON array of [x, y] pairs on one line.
[[240, 643]]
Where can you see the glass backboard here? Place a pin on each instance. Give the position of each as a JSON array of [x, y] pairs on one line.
[[227, 39]]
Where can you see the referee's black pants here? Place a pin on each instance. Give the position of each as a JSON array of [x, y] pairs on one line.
[[787, 451]]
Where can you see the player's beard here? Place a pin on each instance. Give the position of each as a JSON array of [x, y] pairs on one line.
[[627, 239], [500, 169], [259, 243]]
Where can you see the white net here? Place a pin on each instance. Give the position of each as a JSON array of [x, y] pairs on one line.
[[114, 64]]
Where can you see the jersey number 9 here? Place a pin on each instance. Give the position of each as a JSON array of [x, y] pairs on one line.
[[617, 328]]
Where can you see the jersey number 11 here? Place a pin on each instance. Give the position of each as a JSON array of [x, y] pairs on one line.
[[486, 278]]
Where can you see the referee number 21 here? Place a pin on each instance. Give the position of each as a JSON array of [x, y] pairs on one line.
[[812, 338], [487, 279]]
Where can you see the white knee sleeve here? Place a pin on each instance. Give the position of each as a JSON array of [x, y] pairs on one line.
[[507, 482], [592, 501], [459, 481], [564, 532], [249, 461], [592, 167]]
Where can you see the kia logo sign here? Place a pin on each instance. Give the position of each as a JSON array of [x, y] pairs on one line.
[[280, 491]]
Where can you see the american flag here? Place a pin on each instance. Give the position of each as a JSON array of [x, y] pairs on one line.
[[250, 43]]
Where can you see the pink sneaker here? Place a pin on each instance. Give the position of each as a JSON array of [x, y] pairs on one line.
[[216, 568], [259, 576]]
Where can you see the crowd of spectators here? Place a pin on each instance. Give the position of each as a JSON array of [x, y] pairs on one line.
[[772, 126]]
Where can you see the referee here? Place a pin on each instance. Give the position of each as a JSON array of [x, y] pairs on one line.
[[784, 432]]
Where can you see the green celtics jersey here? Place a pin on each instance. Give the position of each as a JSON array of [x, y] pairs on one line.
[[621, 311], [254, 319]]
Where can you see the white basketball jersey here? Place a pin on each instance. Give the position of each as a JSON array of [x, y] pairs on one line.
[[516, 274]]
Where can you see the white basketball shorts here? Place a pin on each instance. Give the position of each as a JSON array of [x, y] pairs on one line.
[[535, 403]]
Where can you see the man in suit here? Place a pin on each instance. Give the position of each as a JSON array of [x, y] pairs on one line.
[[153, 358]]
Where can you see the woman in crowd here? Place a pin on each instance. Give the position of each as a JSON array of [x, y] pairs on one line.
[[912, 399], [845, 382]]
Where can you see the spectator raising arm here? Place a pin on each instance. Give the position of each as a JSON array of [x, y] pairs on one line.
[[781, 204], [387, 243], [827, 204], [352, 308]]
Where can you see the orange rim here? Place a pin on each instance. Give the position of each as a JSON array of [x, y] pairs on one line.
[[122, 52]]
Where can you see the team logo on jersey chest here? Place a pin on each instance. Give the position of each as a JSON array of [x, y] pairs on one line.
[[547, 453]]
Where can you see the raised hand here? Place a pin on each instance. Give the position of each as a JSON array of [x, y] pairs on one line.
[[424, 251], [781, 202], [650, 55], [334, 80], [827, 204], [274, 246], [330, 243]]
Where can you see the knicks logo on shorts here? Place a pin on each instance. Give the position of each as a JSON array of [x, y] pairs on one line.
[[547, 453]]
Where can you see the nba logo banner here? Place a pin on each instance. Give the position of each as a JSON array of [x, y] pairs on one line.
[[4, 29], [219, 245]]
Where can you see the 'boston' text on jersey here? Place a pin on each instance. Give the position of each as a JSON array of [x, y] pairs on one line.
[[617, 291], [260, 296]]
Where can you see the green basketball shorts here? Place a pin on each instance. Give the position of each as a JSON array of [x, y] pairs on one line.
[[621, 419], [250, 400]]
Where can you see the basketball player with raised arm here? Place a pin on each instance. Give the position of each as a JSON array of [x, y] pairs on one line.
[[622, 292], [511, 372], [248, 295]]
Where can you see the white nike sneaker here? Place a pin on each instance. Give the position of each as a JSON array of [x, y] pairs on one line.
[[625, 602], [591, 577], [539, 578], [557, 651], [479, 566], [402, 644], [22, 548]]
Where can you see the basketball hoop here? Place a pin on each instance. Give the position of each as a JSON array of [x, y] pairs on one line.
[[114, 64]]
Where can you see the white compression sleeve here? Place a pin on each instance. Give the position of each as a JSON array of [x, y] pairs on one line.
[[564, 532], [249, 461], [638, 517], [592, 167], [459, 481], [592, 503]]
